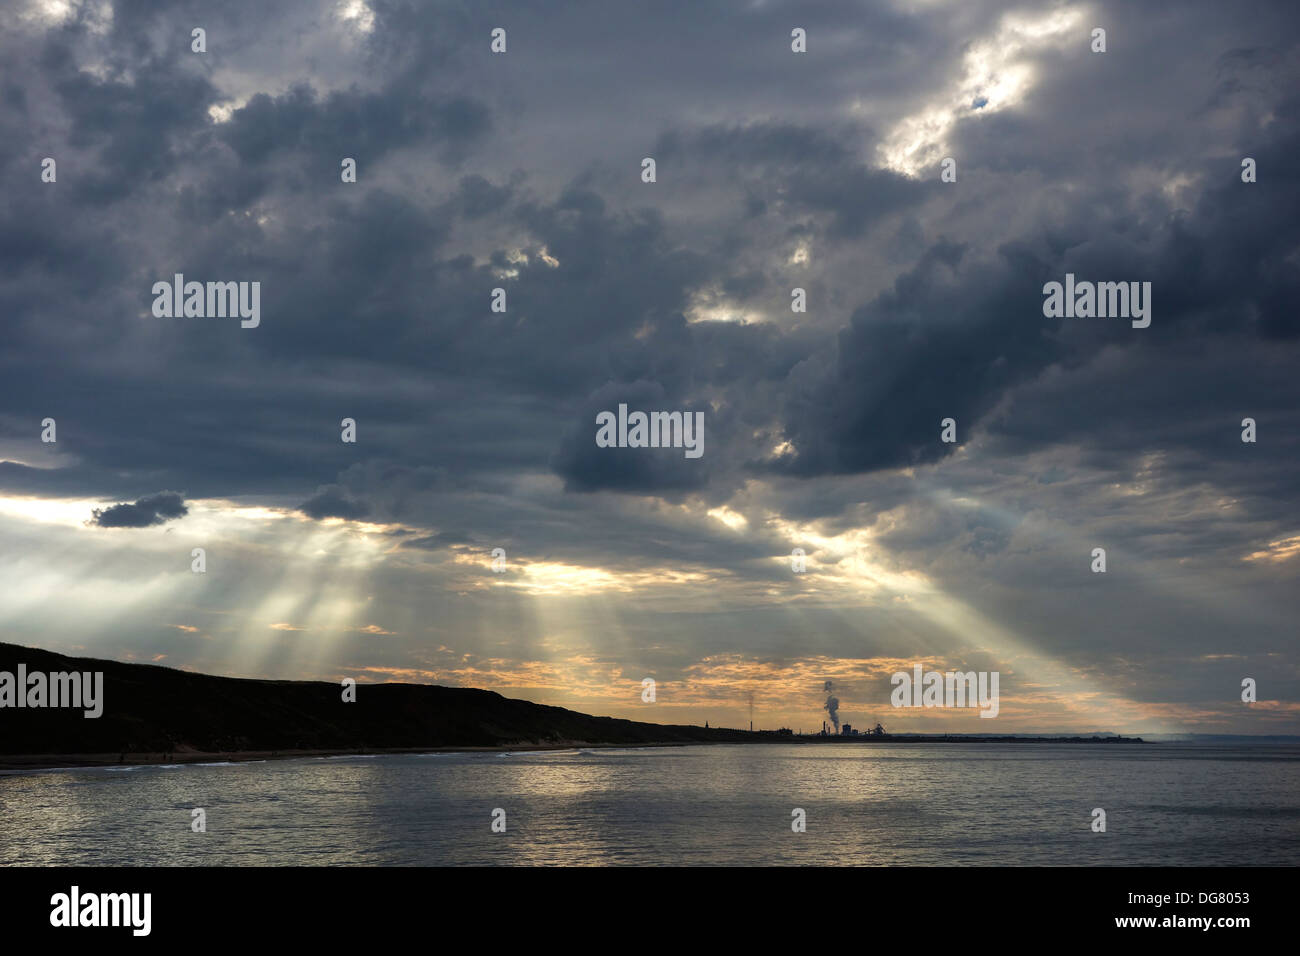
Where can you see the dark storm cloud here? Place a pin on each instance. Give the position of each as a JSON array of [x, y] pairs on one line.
[[667, 471], [619, 294], [800, 169], [129, 130], [477, 197], [381, 258], [145, 513], [945, 342], [331, 501], [957, 332], [348, 123]]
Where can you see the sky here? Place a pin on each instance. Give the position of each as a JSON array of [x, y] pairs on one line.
[[476, 429]]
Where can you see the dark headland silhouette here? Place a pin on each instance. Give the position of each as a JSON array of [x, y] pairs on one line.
[[159, 714]]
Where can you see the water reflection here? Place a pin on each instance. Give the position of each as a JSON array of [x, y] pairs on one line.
[[920, 804]]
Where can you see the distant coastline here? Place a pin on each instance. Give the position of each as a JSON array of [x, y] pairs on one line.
[[157, 715]]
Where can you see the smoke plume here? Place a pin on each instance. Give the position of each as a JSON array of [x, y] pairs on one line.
[[832, 706]]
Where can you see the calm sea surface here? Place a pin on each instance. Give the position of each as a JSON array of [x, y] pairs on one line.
[[919, 804]]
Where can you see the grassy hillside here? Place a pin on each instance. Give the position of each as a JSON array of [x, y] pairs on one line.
[[149, 708]]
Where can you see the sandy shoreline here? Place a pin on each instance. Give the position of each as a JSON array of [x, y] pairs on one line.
[[21, 762]]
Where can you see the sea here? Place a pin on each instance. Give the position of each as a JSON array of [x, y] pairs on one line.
[[982, 804]]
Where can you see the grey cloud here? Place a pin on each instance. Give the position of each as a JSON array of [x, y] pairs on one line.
[[145, 513], [331, 501]]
